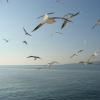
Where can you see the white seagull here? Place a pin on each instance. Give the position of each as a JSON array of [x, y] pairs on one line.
[[48, 20]]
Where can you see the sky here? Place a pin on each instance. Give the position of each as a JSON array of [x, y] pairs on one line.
[[45, 42]]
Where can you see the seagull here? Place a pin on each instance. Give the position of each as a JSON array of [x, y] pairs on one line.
[[51, 63], [97, 23], [77, 53], [47, 14], [26, 33], [48, 20], [80, 51], [68, 16], [25, 42], [73, 55], [92, 56], [5, 40], [35, 57]]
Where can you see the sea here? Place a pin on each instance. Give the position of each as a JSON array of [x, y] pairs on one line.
[[59, 82]]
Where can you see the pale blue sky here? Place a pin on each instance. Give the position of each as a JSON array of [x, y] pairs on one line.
[[45, 42]]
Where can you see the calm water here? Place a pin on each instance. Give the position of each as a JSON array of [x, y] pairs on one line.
[[66, 82]]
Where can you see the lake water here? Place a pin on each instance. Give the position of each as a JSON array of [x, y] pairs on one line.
[[63, 82]]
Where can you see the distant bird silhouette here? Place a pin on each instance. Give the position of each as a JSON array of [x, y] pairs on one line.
[[90, 59], [6, 40], [77, 53], [92, 56], [48, 20], [25, 42], [80, 51], [51, 63], [35, 57], [96, 24], [73, 55], [26, 33], [68, 16]]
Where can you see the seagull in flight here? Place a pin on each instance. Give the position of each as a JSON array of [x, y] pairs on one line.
[[35, 57], [48, 20], [26, 33], [80, 51], [92, 56], [52, 62], [96, 24], [25, 42], [6, 40], [69, 16], [73, 55], [77, 53]]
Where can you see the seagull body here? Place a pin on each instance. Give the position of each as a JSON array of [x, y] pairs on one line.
[[48, 20], [97, 23], [35, 57], [25, 42], [69, 16], [26, 33]]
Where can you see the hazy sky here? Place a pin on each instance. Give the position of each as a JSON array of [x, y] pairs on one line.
[[45, 42]]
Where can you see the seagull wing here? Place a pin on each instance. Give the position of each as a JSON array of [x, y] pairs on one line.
[[38, 26], [25, 30], [73, 55], [61, 18], [80, 51], [73, 15], [47, 14], [64, 24], [29, 56]]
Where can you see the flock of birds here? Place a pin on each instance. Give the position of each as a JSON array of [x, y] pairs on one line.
[[66, 19]]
